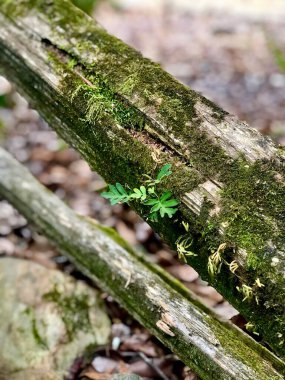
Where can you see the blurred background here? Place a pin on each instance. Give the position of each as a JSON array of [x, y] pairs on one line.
[[233, 52]]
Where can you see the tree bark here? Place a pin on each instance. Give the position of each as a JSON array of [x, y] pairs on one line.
[[215, 349], [127, 117]]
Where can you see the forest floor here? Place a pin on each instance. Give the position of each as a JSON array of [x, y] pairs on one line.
[[226, 56]]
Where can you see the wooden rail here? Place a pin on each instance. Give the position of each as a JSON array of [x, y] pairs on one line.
[[127, 117], [213, 348]]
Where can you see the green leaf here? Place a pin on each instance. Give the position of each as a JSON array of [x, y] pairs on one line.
[[143, 191], [121, 189], [113, 189], [156, 207], [139, 193], [163, 205], [116, 194], [165, 196], [136, 194], [151, 202], [168, 211], [171, 203], [153, 216], [164, 172]]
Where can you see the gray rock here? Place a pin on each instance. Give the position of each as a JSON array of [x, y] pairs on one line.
[[47, 319]]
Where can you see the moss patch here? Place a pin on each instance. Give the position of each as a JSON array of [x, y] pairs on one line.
[[74, 311], [40, 340]]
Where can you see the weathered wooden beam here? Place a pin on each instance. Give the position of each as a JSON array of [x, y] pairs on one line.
[[127, 117], [214, 349]]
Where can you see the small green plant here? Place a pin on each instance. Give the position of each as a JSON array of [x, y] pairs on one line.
[[251, 328], [250, 292], [258, 283], [186, 226], [182, 245], [161, 205], [165, 205], [116, 194], [164, 172], [215, 260], [233, 266], [246, 291]]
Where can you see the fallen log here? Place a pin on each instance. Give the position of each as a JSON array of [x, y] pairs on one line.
[[215, 349], [127, 117]]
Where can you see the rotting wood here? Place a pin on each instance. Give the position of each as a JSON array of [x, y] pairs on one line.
[[215, 349], [127, 117]]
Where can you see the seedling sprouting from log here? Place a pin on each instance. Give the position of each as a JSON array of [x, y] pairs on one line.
[[161, 205]]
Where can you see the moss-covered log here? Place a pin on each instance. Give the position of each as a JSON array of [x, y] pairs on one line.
[[213, 348], [127, 117]]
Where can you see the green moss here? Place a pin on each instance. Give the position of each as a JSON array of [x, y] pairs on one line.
[[227, 336], [252, 213], [103, 104], [74, 311], [129, 73], [93, 93], [98, 104], [38, 338], [23, 6], [252, 203], [86, 5], [242, 188], [35, 330], [176, 107], [111, 233], [103, 107], [71, 63]]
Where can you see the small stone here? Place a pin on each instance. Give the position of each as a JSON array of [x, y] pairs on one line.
[[47, 320], [5, 86], [6, 247], [102, 364]]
